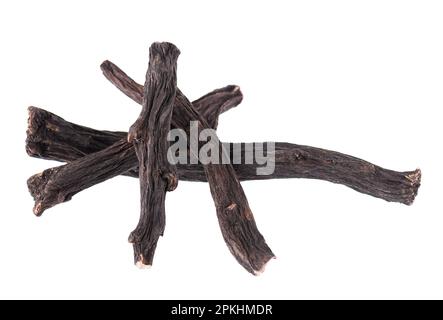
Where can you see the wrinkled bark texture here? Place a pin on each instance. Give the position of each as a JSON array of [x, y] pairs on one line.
[[149, 134], [53, 138]]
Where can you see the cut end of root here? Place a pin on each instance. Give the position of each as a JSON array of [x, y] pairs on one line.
[[140, 263], [32, 125], [37, 119], [262, 269], [415, 180], [414, 177]]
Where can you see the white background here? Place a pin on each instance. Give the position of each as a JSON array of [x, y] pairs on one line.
[[360, 77]]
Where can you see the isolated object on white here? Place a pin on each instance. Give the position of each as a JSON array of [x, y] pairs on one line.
[[95, 156]]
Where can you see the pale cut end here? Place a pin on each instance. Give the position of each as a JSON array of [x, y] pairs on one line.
[[141, 265], [262, 269], [415, 179]]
